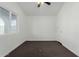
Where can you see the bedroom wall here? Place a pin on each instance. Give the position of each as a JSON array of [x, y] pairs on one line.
[[68, 26], [10, 41], [42, 28]]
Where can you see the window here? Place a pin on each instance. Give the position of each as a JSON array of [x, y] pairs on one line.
[[13, 23], [7, 21], [1, 26]]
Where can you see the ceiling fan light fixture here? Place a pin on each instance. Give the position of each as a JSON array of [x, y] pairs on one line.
[[40, 3]]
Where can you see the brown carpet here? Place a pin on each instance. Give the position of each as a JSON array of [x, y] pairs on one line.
[[41, 49]]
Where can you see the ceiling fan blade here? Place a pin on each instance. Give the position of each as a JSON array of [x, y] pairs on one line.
[[48, 3]]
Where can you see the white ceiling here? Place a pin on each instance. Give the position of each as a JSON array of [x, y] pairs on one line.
[[31, 9]]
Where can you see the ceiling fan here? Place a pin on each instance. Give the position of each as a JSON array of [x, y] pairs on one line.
[[39, 4]]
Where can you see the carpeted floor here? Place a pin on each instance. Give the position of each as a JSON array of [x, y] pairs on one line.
[[41, 49]]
